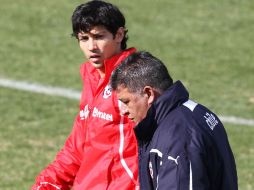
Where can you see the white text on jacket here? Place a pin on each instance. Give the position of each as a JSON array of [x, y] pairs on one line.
[[102, 115], [95, 113]]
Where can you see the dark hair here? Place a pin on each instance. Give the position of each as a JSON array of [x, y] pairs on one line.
[[98, 13], [141, 69]]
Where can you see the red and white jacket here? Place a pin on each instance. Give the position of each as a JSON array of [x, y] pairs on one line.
[[101, 151]]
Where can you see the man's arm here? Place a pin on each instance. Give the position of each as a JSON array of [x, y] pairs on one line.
[[61, 172]]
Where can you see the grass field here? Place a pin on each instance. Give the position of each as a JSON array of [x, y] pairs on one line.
[[207, 44]]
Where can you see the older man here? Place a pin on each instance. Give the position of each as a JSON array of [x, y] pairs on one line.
[[182, 144]]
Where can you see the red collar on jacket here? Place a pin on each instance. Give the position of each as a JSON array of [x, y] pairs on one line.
[[89, 72], [110, 65]]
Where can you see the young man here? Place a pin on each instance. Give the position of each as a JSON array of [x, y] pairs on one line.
[[101, 151], [182, 144]]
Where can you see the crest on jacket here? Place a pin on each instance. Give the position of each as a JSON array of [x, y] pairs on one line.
[[107, 92], [151, 169]]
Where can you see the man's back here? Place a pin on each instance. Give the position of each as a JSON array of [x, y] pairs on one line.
[[188, 149]]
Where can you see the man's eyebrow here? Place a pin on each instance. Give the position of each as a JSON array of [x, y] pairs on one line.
[[82, 34], [98, 33]]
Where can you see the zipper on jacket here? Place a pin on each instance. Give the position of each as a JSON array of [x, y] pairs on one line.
[[140, 149]]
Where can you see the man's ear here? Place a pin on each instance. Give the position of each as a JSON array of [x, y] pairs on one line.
[[150, 93], [120, 34]]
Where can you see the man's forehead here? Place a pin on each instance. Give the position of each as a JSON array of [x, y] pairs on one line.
[[124, 91], [121, 89], [94, 30]]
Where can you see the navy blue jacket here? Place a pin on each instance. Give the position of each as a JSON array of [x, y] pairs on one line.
[[183, 146]]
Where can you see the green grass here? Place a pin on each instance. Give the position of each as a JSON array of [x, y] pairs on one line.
[[206, 44], [241, 140], [33, 128]]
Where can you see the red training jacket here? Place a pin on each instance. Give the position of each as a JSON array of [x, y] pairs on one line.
[[101, 151]]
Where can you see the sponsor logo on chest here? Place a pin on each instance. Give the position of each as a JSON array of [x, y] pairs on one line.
[[95, 112]]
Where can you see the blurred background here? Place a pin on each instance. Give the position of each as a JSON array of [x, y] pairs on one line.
[[207, 44]]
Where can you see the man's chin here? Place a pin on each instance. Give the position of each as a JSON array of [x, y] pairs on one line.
[[97, 65], [135, 121]]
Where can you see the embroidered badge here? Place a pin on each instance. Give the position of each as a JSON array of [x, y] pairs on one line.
[[107, 92]]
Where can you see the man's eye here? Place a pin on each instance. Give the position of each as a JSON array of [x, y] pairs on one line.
[[125, 102], [83, 38], [99, 37]]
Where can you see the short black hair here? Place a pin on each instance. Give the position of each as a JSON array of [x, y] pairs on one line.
[[141, 69], [98, 13]]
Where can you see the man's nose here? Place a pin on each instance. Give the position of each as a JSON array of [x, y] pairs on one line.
[[92, 44], [124, 109]]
